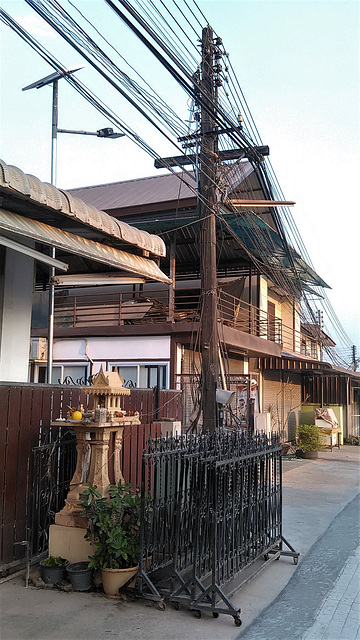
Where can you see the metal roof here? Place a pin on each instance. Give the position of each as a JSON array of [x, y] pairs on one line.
[[138, 192], [16, 182], [46, 234], [164, 205]]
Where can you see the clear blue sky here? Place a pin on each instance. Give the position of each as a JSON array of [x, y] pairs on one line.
[[298, 65]]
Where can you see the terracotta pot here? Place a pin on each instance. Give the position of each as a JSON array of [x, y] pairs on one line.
[[114, 579]]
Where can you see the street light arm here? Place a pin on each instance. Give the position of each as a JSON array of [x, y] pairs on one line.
[[83, 133], [101, 133]]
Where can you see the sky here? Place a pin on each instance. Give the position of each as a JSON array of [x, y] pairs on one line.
[[298, 65]]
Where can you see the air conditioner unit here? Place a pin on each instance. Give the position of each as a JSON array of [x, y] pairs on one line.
[[38, 349], [170, 427], [262, 423]]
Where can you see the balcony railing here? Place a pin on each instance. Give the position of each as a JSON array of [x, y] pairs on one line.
[[114, 309]]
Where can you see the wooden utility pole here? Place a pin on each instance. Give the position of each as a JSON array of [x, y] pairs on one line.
[[206, 84], [207, 206]]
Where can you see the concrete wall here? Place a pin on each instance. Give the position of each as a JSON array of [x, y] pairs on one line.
[[287, 316], [126, 349], [16, 288]]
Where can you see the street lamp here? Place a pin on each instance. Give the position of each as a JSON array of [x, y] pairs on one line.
[[53, 79], [108, 132]]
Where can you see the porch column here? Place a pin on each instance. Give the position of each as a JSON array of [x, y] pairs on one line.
[[99, 465], [16, 288], [118, 435]]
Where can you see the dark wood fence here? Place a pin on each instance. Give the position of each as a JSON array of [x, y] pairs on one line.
[[26, 411]]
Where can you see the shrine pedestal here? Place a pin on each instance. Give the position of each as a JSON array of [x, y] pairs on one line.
[[69, 542], [94, 464]]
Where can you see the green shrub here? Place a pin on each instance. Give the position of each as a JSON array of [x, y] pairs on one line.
[[114, 526], [355, 440], [54, 561], [309, 437]]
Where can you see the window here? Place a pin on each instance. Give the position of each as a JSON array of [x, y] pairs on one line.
[[62, 374], [156, 376], [142, 375], [129, 374]]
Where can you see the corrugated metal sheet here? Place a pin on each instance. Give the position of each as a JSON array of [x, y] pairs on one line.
[[81, 246], [142, 191], [153, 189], [13, 180]]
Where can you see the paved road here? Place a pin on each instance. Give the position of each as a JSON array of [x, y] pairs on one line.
[[321, 600]]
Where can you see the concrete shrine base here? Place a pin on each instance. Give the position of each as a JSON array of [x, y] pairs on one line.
[[69, 543]]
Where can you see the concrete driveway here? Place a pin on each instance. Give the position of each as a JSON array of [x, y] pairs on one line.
[[314, 494]]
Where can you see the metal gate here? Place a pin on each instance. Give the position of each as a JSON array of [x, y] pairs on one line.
[[52, 467], [211, 507]]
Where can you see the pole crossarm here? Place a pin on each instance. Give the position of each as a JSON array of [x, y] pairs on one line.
[[229, 154], [261, 203]]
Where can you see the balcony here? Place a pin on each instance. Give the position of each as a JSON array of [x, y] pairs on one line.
[[152, 306]]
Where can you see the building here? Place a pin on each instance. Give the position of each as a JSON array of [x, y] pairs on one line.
[[150, 330], [35, 215]]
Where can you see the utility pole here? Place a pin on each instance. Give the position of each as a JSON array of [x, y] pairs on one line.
[[354, 361], [207, 206], [206, 87]]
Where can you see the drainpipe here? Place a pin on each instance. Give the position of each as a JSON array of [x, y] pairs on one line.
[[88, 357], [172, 285]]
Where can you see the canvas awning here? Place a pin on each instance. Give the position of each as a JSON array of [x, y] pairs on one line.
[[71, 243]]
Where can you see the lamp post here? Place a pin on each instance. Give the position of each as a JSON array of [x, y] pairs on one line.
[[108, 132]]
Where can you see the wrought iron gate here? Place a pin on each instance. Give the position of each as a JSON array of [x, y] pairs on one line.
[[52, 467], [212, 505]]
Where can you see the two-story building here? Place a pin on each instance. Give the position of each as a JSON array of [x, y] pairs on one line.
[[150, 331]]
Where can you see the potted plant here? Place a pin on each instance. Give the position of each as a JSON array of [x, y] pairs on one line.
[[80, 575], [310, 441], [114, 528], [53, 569]]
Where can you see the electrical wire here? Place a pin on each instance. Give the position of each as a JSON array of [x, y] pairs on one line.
[[168, 32]]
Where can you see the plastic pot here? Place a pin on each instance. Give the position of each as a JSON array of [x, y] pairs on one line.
[[80, 576], [307, 455], [51, 575]]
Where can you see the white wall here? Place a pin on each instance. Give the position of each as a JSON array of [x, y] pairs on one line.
[[113, 348], [16, 288]]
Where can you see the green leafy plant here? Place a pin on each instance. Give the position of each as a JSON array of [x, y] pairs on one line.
[[54, 561], [309, 438], [114, 526]]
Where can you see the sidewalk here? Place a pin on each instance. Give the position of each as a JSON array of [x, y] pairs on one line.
[[319, 512]]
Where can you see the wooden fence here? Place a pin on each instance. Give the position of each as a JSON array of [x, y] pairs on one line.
[[26, 411]]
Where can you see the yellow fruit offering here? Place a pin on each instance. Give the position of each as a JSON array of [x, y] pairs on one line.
[[76, 415]]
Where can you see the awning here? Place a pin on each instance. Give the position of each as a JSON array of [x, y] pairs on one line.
[[17, 183], [71, 243]]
